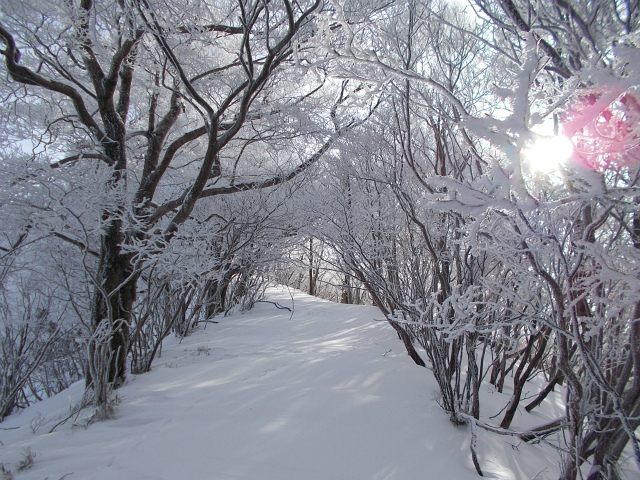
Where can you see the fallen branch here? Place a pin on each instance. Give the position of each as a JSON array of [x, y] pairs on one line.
[[281, 307], [536, 434], [472, 446], [73, 412], [543, 430]]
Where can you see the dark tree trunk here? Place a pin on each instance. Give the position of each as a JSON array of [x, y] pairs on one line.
[[408, 344], [216, 296], [557, 378], [313, 272], [522, 373], [347, 296], [112, 303]]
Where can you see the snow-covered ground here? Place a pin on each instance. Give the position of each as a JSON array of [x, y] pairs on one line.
[[325, 393]]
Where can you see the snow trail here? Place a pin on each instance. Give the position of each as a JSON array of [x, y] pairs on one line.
[[325, 393]]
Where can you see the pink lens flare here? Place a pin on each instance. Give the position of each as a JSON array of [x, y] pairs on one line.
[[604, 127]]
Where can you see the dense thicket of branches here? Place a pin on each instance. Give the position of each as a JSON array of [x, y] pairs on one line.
[[500, 272], [162, 161]]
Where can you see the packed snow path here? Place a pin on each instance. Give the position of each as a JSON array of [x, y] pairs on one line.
[[323, 393]]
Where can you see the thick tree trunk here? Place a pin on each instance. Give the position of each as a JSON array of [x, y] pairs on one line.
[[216, 296], [112, 305]]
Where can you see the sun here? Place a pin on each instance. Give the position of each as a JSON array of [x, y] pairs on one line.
[[545, 153]]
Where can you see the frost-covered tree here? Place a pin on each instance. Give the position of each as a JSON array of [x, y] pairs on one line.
[[174, 102]]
